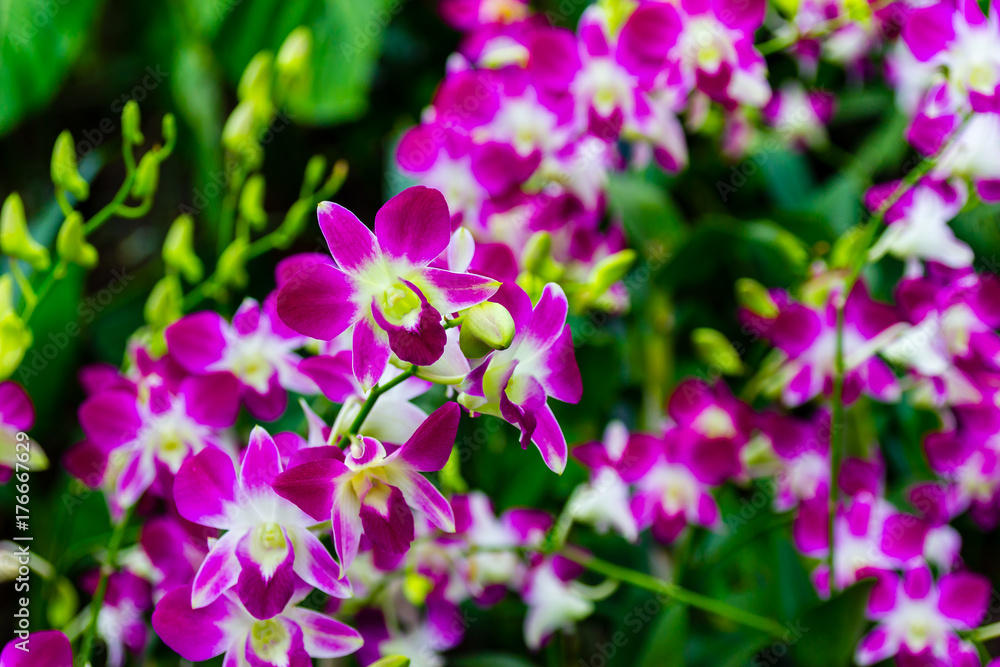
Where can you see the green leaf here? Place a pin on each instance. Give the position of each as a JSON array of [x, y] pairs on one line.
[[829, 632], [667, 638], [647, 211], [39, 42]]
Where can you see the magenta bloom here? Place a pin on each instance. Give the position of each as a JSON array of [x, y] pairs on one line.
[[17, 414], [48, 648], [919, 620], [267, 546], [382, 284], [121, 622], [147, 430], [256, 348], [515, 383], [372, 490], [290, 638]]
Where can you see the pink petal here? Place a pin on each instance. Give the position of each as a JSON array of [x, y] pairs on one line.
[[414, 225], [424, 342], [548, 317], [388, 526], [110, 418], [196, 634], [264, 594], [347, 529], [317, 302], [421, 495], [310, 486], [325, 637], [268, 406], [261, 463], [246, 320], [745, 15], [315, 565], [16, 409], [430, 446], [291, 265], [137, 476], [371, 352], [351, 243], [549, 439], [47, 648], [196, 341], [332, 374], [964, 598], [876, 646], [903, 536], [450, 291], [561, 375], [213, 399], [205, 489], [218, 572]]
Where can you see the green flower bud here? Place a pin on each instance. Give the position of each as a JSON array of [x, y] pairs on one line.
[[315, 169], [715, 350], [6, 294], [169, 131], [485, 327], [392, 661], [293, 56], [293, 224], [337, 177], [240, 134], [15, 239], [15, 339], [537, 252], [178, 249], [252, 202], [71, 242], [63, 169], [63, 601], [165, 303], [256, 80], [753, 296], [232, 270], [848, 247], [147, 176], [416, 588], [131, 123]]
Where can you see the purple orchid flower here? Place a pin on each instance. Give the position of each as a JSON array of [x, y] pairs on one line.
[[514, 384], [267, 546], [919, 619], [121, 621], [290, 638], [143, 432], [371, 492], [256, 348], [382, 284]]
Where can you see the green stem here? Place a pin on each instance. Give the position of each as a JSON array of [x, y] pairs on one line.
[[102, 587], [377, 391], [679, 593], [987, 632], [121, 196]]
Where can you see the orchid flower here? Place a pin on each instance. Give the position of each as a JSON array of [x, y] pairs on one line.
[[382, 284], [290, 638], [257, 348], [514, 384], [17, 415], [371, 492], [48, 648], [267, 546]]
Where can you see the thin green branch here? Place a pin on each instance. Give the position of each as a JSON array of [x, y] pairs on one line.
[[373, 396], [83, 657]]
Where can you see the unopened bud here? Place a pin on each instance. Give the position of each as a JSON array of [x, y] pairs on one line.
[[131, 124], [753, 296], [256, 80], [537, 252], [15, 339], [293, 56], [715, 350], [165, 303], [15, 239], [147, 176], [315, 170], [71, 242], [178, 249], [231, 269], [485, 327], [63, 167], [392, 661], [252, 202]]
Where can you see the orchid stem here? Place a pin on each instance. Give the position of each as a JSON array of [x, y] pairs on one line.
[[679, 593], [986, 632], [373, 396], [102, 587]]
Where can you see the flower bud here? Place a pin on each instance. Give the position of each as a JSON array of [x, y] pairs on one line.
[[178, 249], [71, 242], [15, 239], [337, 177], [315, 170], [753, 296], [15, 339], [485, 327], [6, 294], [714, 349], [537, 252], [256, 80], [165, 303], [608, 271], [848, 247], [239, 134], [169, 131], [293, 56], [147, 176], [131, 123], [392, 661], [232, 270], [416, 588], [252, 202], [63, 167]]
